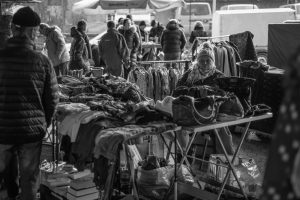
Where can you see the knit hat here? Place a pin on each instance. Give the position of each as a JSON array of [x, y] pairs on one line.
[[26, 17], [207, 50], [142, 23]]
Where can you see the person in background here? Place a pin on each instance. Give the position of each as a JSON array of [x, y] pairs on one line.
[[28, 100], [78, 52], [81, 27], [142, 27], [113, 50], [172, 41], [120, 22], [197, 32], [156, 31], [132, 41], [204, 72], [56, 48]]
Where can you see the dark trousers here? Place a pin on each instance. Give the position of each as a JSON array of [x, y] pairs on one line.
[[172, 56], [62, 69], [28, 161], [11, 177]]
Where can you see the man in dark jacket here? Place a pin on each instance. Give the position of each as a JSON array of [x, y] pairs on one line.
[[78, 52], [81, 27], [28, 99], [113, 50], [156, 30], [133, 42], [173, 41]]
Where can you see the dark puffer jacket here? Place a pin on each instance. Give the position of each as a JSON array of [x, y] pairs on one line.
[[28, 92], [132, 38], [173, 39]]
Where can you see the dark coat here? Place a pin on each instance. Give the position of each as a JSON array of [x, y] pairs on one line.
[[132, 38], [211, 80], [112, 50], [88, 45], [28, 92], [78, 53], [173, 40], [197, 33], [156, 31]]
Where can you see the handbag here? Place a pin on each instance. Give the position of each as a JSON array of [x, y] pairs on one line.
[[231, 109], [188, 111], [198, 91], [241, 87]]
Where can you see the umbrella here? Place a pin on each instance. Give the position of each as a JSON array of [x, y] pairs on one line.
[[156, 5]]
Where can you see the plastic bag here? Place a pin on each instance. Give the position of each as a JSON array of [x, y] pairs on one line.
[[154, 183]]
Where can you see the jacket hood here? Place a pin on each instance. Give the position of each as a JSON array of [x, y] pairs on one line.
[[171, 26]]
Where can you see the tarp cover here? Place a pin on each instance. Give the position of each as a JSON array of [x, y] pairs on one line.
[[282, 43], [157, 5]]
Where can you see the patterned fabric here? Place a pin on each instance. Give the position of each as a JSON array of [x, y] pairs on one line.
[[282, 177]]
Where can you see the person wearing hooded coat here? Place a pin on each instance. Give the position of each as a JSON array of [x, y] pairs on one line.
[[172, 41], [56, 48], [113, 50], [198, 31], [78, 52], [133, 42]]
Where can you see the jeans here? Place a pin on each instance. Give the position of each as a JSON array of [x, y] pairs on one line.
[[61, 69], [29, 159]]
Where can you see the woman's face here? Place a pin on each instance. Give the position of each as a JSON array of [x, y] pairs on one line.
[[142, 27], [127, 25], [205, 62]]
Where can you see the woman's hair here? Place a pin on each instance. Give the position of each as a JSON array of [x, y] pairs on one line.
[[142, 23], [126, 20], [120, 19], [153, 22]]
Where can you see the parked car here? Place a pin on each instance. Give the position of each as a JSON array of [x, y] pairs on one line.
[[192, 12], [239, 7], [295, 6]]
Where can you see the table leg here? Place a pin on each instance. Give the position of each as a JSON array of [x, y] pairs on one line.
[[230, 165]]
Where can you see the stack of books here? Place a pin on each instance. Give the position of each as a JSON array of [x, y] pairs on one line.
[[83, 189]]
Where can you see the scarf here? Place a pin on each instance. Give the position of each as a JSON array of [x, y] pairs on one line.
[[199, 73]]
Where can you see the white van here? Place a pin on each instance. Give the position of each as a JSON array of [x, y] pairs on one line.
[[239, 7], [295, 6], [192, 12]]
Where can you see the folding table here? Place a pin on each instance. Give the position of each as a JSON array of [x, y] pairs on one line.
[[215, 126]]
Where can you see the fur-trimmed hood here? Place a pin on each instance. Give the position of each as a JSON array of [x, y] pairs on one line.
[[132, 28]]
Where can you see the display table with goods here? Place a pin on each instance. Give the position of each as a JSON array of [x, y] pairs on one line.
[[105, 120]]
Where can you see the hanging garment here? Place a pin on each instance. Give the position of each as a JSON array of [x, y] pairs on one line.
[[245, 45]]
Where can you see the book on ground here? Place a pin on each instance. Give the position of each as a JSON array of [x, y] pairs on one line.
[[82, 183], [85, 197], [78, 193], [81, 174]]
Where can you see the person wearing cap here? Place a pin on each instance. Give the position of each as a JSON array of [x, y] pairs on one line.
[[142, 27], [29, 94], [172, 41], [113, 50], [204, 72], [81, 27], [56, 48], [198, 31]]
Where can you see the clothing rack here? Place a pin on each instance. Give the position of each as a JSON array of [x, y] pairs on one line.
[[210, 38], [185, 62]]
